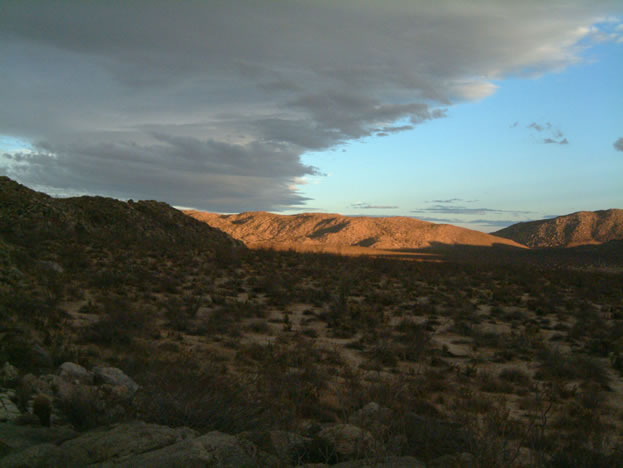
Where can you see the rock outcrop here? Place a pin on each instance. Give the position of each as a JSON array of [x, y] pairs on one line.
[[581, 228]]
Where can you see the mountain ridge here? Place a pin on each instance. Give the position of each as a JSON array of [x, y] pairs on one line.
[[28, 216], [572, 230], [329, 229]]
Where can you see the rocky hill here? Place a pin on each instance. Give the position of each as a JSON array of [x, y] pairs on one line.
[[27, 216], [581, 228], [321, 229]]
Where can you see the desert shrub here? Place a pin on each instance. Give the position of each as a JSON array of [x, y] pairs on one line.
[[258, 326], [488, 383], [80, 408], [574, 456], [514, 375], [181, 394], [556, 365], [42, 408], [120, 323]]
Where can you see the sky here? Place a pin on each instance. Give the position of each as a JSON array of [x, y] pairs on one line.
[[480, 114]]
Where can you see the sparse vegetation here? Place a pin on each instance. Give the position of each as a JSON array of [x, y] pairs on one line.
[[517, 366]]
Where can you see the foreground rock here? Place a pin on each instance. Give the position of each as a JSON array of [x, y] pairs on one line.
[[348, 440], [133, 444], [213, 449]]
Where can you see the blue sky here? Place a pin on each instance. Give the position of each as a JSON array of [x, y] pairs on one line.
[[485, 155], [479, 114]]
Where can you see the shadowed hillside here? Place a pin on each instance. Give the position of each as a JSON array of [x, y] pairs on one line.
[[27, 216], [583, 227], [308, 230]]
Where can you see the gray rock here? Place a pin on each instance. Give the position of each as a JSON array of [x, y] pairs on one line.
[[27, 419], [51, 266], [348, 440], [42, 456], [122, 441], [390, 462], [75, 373], [32, 384], [371, 415], [8, 374], [8, 410], [20, 437], [213, 449], [115, 377]]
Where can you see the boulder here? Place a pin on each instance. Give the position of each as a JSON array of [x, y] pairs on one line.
[[20, 437], [8, 374], [213, 449], [30, 385], [371, 416], [115, 377], [75, 373], [119, 442], [8, 410], [42, 456], [348, 440]]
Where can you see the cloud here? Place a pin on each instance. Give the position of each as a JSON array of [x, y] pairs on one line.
[[462, 210], [211, 104], [499, 223], [539, 127], [452, 200], [441, 220], [618, 145], [367, 206], [556, 142], [555, 135]]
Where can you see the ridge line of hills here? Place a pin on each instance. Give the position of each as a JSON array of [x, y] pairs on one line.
[[307, 230], [579, 228], [27, 215], [323, 230]]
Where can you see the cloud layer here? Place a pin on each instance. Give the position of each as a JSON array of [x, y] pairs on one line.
[[211, 104]]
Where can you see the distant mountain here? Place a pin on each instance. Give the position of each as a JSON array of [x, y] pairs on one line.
[[327, 230], [28, 218], [581, 228]]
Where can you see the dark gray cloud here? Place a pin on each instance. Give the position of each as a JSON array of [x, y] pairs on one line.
[[211, 104], [368, 206], [462, 210], [618, 145]]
